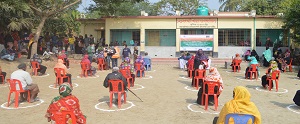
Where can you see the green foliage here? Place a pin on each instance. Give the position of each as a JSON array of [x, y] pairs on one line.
[[186, 7], [231, 5], [263, 7], [292, 20], [15, 16], [114, 8]]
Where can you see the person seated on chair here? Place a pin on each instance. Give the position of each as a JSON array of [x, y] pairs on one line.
[[8, 53], [90, 67], [65, 58], [60, 64], [253, 61], [247, 54], [267, 55], [281, 63], [100, 55], [254, 53], [273, 67], [148, 57], [68, 102], [47, 55], [126, 65], [297, 98], [42, 69], [237, 57], [182, 61], [287, 56], [214, 76], [141, 61], [3, 74], [240, 104], [118, 76], [26, 82], [199, 63]]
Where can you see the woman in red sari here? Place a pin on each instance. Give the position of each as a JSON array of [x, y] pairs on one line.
[[66, 101]]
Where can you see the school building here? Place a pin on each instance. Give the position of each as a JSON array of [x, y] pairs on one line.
[[221, 35]]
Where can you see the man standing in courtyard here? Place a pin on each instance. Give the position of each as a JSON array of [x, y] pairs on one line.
[[26, 82], [126, 52]]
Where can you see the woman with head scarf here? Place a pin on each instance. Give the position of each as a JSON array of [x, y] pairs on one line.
[[281, 63], [213, 76], [141, 61], [42, 69], [240, 104], [60, 64], [287, 56], [64, 57], [273, 67], [199, 62], [126, 65], [267, 54], [92, 69], [65, 102], [253, 61], [254, 53], [247, 54], [236, 58]]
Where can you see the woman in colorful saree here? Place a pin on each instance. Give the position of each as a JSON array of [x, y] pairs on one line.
[[240, 104], [66, 101]]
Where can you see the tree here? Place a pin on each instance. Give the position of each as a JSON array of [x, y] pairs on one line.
[[45, 9], [292, 20], [187, 7], [263, 7], [230, 5], [15, 15], [113, 7]]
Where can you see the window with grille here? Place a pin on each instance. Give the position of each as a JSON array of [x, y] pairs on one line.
[[120, 35], [234, 37], [277, 36], [196, 31], [163, 37]]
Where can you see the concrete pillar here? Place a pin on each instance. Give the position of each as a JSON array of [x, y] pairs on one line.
[[216, 43], [142, 43], [107, 35], [177, 42]]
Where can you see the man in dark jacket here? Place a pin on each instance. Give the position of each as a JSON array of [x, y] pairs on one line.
[[297, 98], [118, 76]]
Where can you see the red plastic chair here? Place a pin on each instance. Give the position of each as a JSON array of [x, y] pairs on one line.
[[236, 65], [60, 75], [13, 83], [190, 70], [101, 63], [35, 67], [84, 69], [252, 71], [114, 88], [290, 66], [274, 77], [61, 117], [127, 74], [139, 68], [199, 75], [211, 91]]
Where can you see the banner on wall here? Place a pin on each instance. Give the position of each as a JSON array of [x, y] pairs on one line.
[[195, 42]]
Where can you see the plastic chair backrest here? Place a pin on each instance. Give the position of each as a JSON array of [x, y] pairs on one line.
[[239, 118], [237, 62], [14, 83], [61, 117], [253, 67], [59, 72], [125, 72], [114, 86], [191, 66], [147, 61], [200, 73], [84, 65], [211, 87], [100, 61], [35, 65], [275, 75], [138, 66]]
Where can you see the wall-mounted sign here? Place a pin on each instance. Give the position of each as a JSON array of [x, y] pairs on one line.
[[195, 42], [197, 23]]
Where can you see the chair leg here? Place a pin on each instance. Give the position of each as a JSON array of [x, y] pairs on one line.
[[196, 83], [110, 100], [17, 99], [8, 101], [28, 96], [206, 102], [119, 99], [276, 85], [270, 85], [202, 99], [216, 102], [124, 97]]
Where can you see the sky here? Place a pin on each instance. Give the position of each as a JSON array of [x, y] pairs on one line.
[[212, 4]]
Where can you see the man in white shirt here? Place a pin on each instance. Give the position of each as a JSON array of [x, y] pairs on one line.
[[26, 82]]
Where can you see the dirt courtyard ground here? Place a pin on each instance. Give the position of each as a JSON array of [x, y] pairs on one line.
[[166, 92]]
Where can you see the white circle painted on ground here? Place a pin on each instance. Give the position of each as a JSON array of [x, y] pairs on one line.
[[294, 108], [45, 75], [201, 109], [113, 106], [146, 77], [280, 90], [253, 79], [227, 71], [134, 88], [185, 77], [151, 71], [3, 85], [52, 86], [191, 88], [95, 76], [12, 105], [295, 78]]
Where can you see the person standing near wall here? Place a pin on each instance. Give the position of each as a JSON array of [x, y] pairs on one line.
[[126, 52], [116, 56], [71, 43]]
